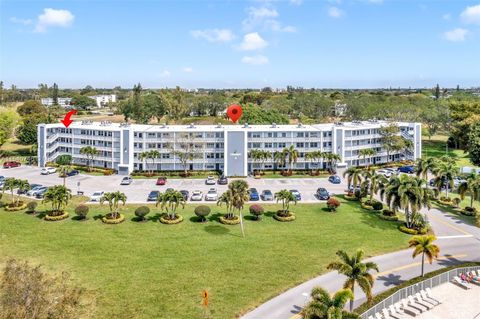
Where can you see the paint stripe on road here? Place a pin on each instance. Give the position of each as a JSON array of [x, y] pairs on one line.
[[449, 225], [457, 236]]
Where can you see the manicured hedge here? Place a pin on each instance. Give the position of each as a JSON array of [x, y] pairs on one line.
[[410, 231], [56, 217], [288, 218], [389, 218], [9, 208], [225, 221], [165, 220], [111, 221]]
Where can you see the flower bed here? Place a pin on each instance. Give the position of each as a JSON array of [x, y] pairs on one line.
[[15, 208], [165, 220], [468, 212], [350, 197], [389, 218], [55, 217], [234, 221], [365, 206], [412, 231], [112, 221], [284, 217]]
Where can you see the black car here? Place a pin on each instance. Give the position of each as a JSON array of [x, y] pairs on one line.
[[334, 179], [152, 197], [322, 194], [32, 186], [41, 193], [185, 194], [222, 180], [73, 172]]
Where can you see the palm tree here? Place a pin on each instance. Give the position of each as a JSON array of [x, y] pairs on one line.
[[407, 146], [153, 155], [239, 196], [292, 154], [63, 170], [374, 181], [311, 156], [354, 176], [170, 201], [256, 155], [10, 184], [366, 152], [58, 196], [143, 156], [324, 306], [226, 198], [425, 166], [90, 152], [470, 186], [286, 197], [424, 245], [280, 158], [357, 272], [114, 199], [22, 186], [445, 172], [332, 159]]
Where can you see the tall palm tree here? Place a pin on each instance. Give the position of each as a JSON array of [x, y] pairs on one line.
[[280, 158], [374, 181], [424, 245], [366, 152], [286, 197], [332, 159], [239, 196], [445, 172], [114, 199], [425, 166], [292, 155], [227, 199], [311, 157], [63, 170], [10, 184], [470, 186], [90, 152], [58, 196], [170, 201], [354, 176], [153, 155], [256, 155], [23, 186], [143, 156], [324, 306], [357, 272]]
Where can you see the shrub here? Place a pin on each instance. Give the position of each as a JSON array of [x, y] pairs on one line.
[[369, 202], [350, 196], [165, 220], [445, 199], [393, 218], [56, 217], [333, 204], [81, 211], [109, 220], [377, 206], [406, 230], [141, 212], [470, 209], [456, 201], [256, 210], [388, 212], [15, 208], [202, 211], [284, 217], [31, 206], [229, 221]]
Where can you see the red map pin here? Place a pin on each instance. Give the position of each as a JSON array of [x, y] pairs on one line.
[[234, 112]]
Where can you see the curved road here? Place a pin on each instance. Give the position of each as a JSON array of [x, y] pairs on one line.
[[459, 242]]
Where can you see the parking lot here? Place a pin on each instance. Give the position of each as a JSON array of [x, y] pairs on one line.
[[139, 189]]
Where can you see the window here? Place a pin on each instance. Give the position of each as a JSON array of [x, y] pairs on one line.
[[256, 145], [313, 134], [327, 144], [299, 145], [269, 134], [210, 145], [283, 134], [313, 144], [282, 145], [165, 155], [152, 135], [256, 135], [300, 134], [210, 155], [268, 145], [209, 135]]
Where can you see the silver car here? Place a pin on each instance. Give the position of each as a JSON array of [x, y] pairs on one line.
[[127, 180], [210, 180], [212, 195], [196, 196]]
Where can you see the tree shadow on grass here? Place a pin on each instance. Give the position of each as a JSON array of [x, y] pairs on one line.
[[198, 220], [269, 214], [41, 215], [371, 219], [154, 218], [252, 218], [97, 217], [215, 217], [216, 230]]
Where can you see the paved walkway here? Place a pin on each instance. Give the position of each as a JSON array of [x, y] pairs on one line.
[[458, 242]]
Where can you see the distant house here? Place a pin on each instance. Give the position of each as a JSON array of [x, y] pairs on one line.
[[62, 101], [103, 99], [340, 109]]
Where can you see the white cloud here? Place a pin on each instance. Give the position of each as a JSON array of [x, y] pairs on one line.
[[21, 21], [296, 2], [276, 26], [335, 12], [375, 1], [471, 15], [213, 35], [54, 18], [255, 60], [456, 35], [447, 16], [264, 18], [253, 41], [165, 73], [187, 69]]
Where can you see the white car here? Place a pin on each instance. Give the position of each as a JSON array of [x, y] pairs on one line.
[[210, 180], [211, 195], [35, 190], [48, 170], [196, 196], [96, 196], [385, 172], [127, 180], [457, 181]]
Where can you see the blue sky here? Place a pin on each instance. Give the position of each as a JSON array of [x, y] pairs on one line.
[[335, 43]]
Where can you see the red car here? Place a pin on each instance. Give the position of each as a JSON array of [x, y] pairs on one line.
[[11, 164], [161, 181]]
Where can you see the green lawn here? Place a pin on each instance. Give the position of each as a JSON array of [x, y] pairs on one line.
[[435, 147], [151, 270]]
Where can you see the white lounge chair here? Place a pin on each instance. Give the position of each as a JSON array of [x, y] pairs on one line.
[[423, 302], [431, 296], [409, 309], [396, 312], [370, 317], [378, 316], [461, 283], [415, 304], [429, 299]]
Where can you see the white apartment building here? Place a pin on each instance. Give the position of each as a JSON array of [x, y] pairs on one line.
[[103, 99], [62, 101], [218, 147]]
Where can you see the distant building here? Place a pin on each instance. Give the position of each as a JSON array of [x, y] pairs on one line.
[[62, 101], [340, 109], [103, 99]]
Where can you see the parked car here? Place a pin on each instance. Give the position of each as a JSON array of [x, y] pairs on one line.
[[127, 180], [96, 196], [168, 190], [48, 170], [73, 172], [32, 186], [185, 194], [11, 164], [196, 195], [2, 180], [211, 195], [161, 181], [41, 192], [253, 194], [385, 172], [334, 179], [296, 193], [152, 196], [34, 191], [222, 180], [457, 181], [267, 195], [210, 180], [406, 169], [322, 194]]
